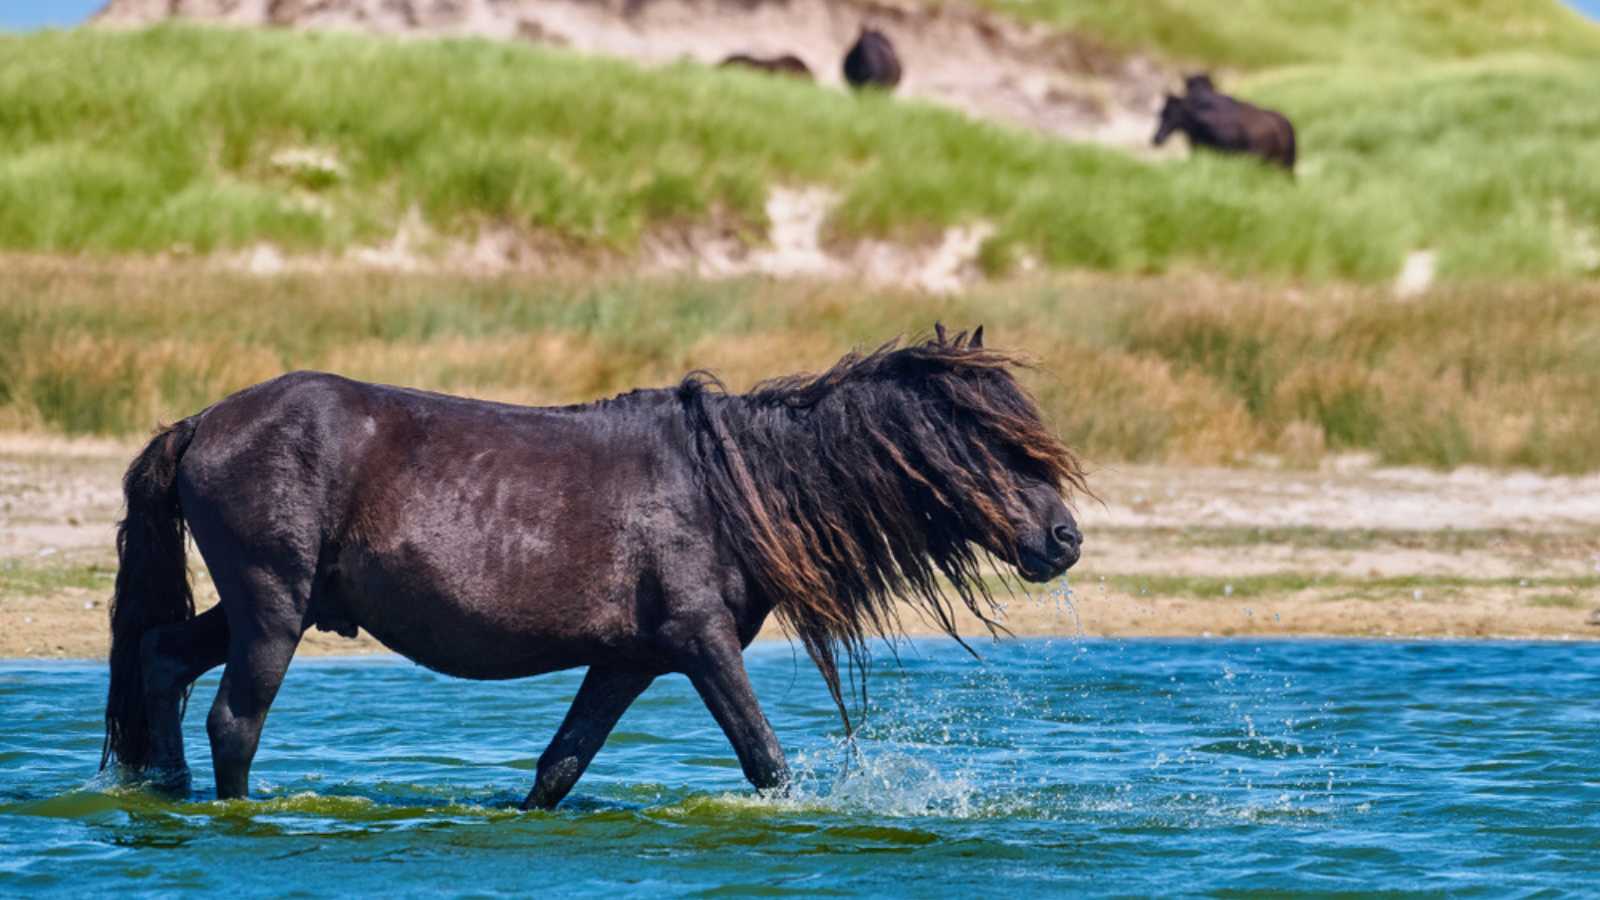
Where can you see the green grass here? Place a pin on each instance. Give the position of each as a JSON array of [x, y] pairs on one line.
[[1259, 33], [1172, 370], [149, 141], [1495, 152], [1557, 601], [21, 578]]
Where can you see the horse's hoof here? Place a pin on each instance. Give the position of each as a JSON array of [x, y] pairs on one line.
[[171, 782]]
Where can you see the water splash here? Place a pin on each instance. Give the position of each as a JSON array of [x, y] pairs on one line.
[[886, 781], [1061, 594]]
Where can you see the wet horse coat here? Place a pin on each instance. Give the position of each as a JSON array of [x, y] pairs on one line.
[[637, 536]]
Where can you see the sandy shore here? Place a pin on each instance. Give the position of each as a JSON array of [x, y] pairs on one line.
[[1346, 550]]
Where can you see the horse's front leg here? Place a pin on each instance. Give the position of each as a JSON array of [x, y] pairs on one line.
[[602, 699], [714, 662]]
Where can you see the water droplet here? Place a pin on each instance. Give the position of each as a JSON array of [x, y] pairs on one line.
[[1061, 593]]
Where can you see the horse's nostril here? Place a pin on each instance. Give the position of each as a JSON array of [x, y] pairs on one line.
[[1066, 535]]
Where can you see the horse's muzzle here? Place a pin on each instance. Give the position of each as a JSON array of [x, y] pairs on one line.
[[1062, 550]]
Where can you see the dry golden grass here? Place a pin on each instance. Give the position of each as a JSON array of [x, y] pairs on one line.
[[1178, 369]]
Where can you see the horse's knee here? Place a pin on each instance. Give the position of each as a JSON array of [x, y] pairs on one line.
[[219, 727], [232, 738]]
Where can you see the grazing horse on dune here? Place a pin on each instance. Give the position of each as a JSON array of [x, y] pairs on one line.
[[647, 534], [787, 64], [872, 62], [1217, 121]]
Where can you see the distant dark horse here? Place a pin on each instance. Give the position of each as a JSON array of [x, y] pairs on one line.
[[787, 64], [872, 62], [641, 535], [1220, 122]]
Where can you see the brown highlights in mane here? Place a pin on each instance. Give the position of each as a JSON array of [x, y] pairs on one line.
[[844, 491]]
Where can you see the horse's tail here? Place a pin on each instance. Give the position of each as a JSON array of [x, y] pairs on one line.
[[152, 585]]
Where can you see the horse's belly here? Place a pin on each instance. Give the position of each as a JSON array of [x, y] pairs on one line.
[[471, 629]]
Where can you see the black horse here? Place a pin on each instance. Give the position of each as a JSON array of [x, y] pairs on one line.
[[1219, 122], [787, 64], [872, 62], [650, 533]]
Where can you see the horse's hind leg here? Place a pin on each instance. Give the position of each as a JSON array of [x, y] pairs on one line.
[[605, 695], [172, 657], [265, 622]]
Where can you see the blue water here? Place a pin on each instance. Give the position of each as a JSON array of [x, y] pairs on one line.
[[1152, 767]]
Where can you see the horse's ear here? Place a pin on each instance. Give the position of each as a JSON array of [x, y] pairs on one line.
[[977, 338], [938, 332]]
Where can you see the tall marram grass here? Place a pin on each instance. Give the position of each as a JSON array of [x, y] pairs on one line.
[[1183, 370], [174, 137], [1258, 33]]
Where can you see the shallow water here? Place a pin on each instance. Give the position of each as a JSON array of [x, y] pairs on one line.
[[1091, 766]]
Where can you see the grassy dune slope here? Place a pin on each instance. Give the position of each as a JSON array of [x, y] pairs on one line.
[[1179, 370], [1260, 33], [117, 142]]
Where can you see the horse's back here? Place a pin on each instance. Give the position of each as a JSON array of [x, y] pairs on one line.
[[1228, 123], [307, 426]]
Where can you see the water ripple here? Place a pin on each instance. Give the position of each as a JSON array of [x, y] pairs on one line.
[[1084, 766]]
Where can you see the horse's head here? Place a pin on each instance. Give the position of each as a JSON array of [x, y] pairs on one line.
[[1048, 541], [1026, 470], [1174, 114], [884, 480]]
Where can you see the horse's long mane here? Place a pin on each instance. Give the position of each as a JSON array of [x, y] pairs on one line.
[[844, 491]]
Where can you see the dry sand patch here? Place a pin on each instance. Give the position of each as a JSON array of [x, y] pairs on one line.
[[1346, 550]]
